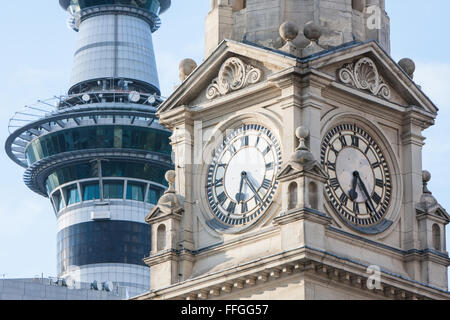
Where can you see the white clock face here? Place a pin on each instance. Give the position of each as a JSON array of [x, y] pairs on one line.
[[241, 178], [359, 188]]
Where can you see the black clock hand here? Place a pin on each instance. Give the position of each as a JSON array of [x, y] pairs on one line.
[[240, 195], [352, 193], [363, 187], [252, 187]]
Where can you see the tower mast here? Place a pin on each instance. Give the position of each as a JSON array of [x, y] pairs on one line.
[[98, 153]]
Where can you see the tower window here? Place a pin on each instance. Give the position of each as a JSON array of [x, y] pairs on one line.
[[313, 196], [91, 191], [292, 196], [161, 241], [113, 190], [72, 195], [436, 232], [135, 191]]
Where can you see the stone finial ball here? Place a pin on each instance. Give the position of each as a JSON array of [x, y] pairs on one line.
[[312, 31], [187, 66], [288, 31], [408, 66], [170, 176], [302, 132], [426, 176]]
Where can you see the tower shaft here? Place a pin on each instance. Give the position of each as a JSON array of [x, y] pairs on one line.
[[114, 45], [100, 154]]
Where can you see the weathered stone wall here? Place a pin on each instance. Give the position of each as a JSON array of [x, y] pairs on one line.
[[259, 21]]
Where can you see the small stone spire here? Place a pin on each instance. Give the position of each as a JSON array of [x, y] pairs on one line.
[[302, 155], [427, 201], [408, 66], [313, 33], [187, 66], [426, 177], [288, 32], [169, 203], [170, 178]]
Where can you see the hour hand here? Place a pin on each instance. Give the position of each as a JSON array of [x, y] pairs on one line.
[[240, 197], [352, 193]]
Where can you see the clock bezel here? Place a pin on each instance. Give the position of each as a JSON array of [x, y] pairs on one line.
[[392, 213], [211, 219]]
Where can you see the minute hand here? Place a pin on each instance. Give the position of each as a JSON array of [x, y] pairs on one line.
[[363, 187], [252, 187]]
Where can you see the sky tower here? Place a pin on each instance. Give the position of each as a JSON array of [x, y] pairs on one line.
[[99, 153]]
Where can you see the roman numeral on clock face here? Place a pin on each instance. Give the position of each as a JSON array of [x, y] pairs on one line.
[[270, 166], [344, 199], [369, 208], [334, 183], [332, 148], [266, 184], [356, 208], [343, 141], [244, 141], [231, 207], [331, 166], [379, 183], [355, 141], [219, 183], [244, 207], [376, 198], [222, 198]]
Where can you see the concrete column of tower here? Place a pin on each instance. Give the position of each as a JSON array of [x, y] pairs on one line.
[[101, 155]]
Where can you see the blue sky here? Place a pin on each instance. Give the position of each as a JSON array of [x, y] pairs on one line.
[[36, 60]]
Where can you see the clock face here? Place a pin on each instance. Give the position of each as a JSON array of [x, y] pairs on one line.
[[241, 178], [359, 186]]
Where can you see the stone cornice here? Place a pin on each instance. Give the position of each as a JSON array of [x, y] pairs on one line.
[[300, 261], [159, 258], [174, 117], [302, 214]]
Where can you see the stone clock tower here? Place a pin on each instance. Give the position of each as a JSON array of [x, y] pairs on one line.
[[298, 155]]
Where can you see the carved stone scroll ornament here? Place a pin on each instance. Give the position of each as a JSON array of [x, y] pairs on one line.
[[233, 75], [364, 75]]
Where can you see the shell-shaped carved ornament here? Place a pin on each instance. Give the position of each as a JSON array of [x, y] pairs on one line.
[[234, 75], [364, 75]]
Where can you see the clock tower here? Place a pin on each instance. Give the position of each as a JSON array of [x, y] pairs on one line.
[[298, 162]]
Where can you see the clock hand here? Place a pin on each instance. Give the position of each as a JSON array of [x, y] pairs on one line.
[[352, 193], [252, 187], [363, 187], [240, 195]]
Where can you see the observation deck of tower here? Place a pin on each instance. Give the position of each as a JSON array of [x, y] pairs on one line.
[[99, 153]]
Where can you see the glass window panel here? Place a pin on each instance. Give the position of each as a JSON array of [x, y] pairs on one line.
[[113, 190], [72, 195], [135, 191], [99, 137], [153, 195], [91, 191], [58, 201]]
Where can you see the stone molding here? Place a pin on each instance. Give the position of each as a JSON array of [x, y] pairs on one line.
[[312, 263], [234, 75], [363, 74]]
